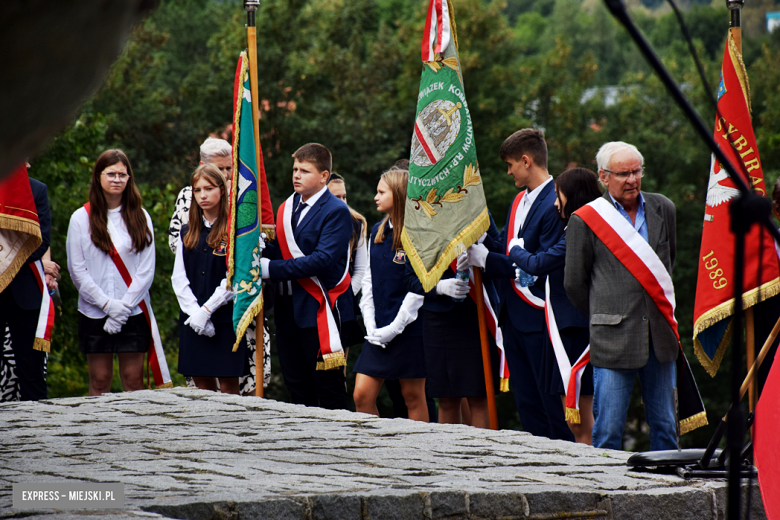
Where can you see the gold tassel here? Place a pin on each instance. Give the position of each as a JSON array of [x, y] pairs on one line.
[[503, 386], [693, 422], [249, 314], [164, 385], [332, 361], [42, 345], [572, 415], [270, 231]]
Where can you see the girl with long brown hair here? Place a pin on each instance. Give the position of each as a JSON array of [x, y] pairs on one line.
[[393, 348], [206, 334], [110, 319]]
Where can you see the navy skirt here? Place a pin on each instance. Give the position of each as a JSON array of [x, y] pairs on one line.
[[403, 358], [575, 340], [203, 356], [453, 353]]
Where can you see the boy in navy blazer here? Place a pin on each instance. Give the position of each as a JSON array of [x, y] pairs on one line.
[[321, 226], [537, 222]]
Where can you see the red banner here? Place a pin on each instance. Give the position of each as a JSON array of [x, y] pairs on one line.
[[20, 233], [714, 290]]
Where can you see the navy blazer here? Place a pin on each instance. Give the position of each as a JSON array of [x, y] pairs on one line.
[[323, 236], [24, 286], [551, 263], [542, 230], [436, 303]]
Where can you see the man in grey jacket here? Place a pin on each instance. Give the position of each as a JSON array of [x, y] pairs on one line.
[[629, 335]]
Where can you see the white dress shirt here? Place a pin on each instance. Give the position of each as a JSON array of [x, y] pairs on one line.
[[181, 284], [309, 203], [95, 275], [528, 200], [360, 264]]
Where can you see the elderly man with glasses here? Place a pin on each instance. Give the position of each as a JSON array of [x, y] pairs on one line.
[[620, 251]]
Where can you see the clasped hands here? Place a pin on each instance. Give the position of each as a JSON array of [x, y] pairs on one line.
[[118, 313], [200, 322]]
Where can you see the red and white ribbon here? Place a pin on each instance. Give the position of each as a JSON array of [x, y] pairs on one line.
[[156, 355], [524, 293], [634, 253], [437, 29], [330, 341], [571, 375], [46, 315]]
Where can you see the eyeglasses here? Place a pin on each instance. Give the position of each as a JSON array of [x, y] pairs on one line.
[[624, 176], [116, 176]]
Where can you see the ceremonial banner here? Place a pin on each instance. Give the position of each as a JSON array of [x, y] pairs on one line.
[[714, 305], [20, 232], [445, 206], [243, 256], [766, 447]]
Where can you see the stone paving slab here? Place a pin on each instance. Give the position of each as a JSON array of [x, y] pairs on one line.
[[186, 453]]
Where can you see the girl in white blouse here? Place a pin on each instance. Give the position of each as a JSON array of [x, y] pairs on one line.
[[110, 319], [206, 333]]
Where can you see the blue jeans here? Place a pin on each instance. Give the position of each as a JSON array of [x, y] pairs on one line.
[[611, 396]]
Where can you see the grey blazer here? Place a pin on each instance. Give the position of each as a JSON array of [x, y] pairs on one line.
[[622, 315]]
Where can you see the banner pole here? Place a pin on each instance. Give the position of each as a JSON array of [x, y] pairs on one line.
[[483, 336], [250, 6]]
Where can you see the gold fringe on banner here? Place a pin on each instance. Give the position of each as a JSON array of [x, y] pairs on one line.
[[503, 386], [332, 361], [270, 231], [722, 312], [42, 345], [739, 68], [693, 422], [19, 225], [469, 235], [250, 314], [573, 415]]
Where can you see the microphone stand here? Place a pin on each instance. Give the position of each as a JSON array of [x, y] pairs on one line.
[[746, 209]]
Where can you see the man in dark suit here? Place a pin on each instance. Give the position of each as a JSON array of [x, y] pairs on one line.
[[629, 335], [321, 225], [535, 220], [20, 304]]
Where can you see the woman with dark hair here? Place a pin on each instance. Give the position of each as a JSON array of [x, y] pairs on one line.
[[200, 283], [111, 320], [574, 188]]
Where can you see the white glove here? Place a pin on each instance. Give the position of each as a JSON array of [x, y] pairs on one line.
[[453, 288], [519, 242], [200, 322], [482, 238], [118, 310], [112, 325], [463, 261], [477, 255], [384, 335], [261, 242], [370, 325], [264, 263]]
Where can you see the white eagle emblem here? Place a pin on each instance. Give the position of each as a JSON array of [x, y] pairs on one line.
[[717, 193]]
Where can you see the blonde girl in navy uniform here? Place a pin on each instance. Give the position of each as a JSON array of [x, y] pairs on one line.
[[199, 281], [394, 345]]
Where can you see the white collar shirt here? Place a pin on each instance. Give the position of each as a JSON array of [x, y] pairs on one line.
[[528, 201], [309, 203]]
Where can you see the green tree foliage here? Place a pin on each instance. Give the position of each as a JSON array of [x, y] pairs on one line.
[[346, 72]]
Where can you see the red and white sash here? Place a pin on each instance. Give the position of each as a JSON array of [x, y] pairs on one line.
[[46, 316], [492, 324], [437, 28], [156, 356], [634, 253], [571, 375], [514, 226], [330, 341]]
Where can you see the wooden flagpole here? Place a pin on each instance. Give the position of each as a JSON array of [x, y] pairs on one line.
[[735, 7], [250, 6], [483, 336]]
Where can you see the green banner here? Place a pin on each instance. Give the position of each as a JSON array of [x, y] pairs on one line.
[[445, 206], [244, 233]]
